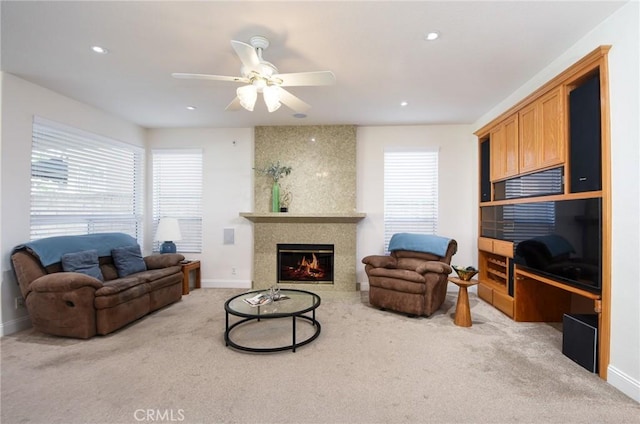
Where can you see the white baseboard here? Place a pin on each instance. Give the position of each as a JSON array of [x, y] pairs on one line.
[[15, 325], [226, 284], [624, 383]]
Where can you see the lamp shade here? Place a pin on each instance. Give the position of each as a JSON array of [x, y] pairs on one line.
[[168, 231], [248, 94], [271, 96]]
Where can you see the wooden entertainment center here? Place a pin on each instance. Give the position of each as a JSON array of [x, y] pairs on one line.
[[533, 145]]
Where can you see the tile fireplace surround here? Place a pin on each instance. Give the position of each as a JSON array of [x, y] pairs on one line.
[[269, 229], [323, 187]]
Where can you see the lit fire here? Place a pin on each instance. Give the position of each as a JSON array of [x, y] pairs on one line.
[[311, 268], [304, 269]]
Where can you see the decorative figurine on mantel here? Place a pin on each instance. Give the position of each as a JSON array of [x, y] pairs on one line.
[[285, 200], [276, 172]]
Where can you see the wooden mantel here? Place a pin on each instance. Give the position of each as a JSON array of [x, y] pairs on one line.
[[287, 217]]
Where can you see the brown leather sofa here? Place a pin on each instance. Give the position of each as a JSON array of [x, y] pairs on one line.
[[74, 304], [413, 278]]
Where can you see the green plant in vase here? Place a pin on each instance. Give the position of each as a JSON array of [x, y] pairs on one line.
[[275, 171]]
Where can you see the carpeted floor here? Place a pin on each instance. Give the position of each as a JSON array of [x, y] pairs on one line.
[[367, 366]]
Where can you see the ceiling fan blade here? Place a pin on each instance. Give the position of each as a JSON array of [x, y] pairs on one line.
[[234, 105], [293, 102], [210, 77], [306, 78], [247, 54]]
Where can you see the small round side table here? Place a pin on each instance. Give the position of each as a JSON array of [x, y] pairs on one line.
[[463, 311]]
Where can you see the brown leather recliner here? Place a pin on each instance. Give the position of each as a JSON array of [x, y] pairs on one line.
[[413, 282]]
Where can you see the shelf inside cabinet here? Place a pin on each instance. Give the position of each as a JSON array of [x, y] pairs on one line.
[[496, 272], [497, 262]]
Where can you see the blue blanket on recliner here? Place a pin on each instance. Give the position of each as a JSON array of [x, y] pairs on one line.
[[51, 249], [419, 243]]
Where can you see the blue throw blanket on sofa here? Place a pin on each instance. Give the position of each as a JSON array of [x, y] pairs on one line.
[[425, 243], [51, 249]]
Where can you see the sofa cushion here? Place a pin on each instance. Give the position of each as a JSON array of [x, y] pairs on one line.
[[396, 274], [124, 296], [163, 260], [139, 279], [107, 267], [152, 275], [119, 285], [84, 262], [128, 260], [397, 285], [433, 266], [379, 261], [417, 255]]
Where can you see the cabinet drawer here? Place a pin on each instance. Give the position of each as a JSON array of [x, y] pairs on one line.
[[503, 302], [485, 244], [485, 293], [503, 248]]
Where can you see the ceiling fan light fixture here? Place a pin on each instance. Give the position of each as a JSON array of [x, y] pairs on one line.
[[248, 94], [271, 94], [260, 76]]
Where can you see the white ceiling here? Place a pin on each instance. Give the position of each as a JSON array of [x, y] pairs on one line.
[[376, 50]]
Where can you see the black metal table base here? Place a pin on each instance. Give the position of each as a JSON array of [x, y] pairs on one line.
[[295, 344]]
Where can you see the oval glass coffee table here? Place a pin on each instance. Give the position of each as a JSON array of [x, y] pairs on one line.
[[293, 304]]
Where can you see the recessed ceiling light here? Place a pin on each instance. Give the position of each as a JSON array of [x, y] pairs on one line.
[[191, 108], [403, 104], [431, 36], [299, 115], [100, 50]]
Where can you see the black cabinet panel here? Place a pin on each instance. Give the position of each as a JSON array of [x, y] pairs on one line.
[[485, 179]]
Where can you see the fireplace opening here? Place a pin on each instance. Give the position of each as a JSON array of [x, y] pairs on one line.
[[305, 263]]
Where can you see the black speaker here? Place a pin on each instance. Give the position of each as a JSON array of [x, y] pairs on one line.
[[585, 137], [485, 178], [580, 339]]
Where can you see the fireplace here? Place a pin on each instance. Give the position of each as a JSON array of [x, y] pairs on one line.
[[305, 263]]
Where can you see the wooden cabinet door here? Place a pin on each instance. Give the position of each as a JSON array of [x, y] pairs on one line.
[[511, 158], [552, 134], [497, 140], [528, 126], [504, 149]]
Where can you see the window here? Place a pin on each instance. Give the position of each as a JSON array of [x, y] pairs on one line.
[[410, 192], [83, 183], [177, 193]]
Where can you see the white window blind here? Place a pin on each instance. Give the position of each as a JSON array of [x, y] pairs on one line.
[[177, 193], [83, 183], [410, 193]]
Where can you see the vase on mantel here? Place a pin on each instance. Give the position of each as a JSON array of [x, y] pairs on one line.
[[275, 198]]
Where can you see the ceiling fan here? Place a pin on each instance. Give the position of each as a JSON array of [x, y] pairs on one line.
[[261, 76]]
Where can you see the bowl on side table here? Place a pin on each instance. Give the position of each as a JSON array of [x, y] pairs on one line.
[[465, 273]]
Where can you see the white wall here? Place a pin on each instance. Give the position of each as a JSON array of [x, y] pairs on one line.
[[228, 190], [228, 182], [621, 30], [458, 185], [22, 100]]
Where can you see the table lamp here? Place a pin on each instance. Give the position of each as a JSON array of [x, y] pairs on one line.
[[168, 231]]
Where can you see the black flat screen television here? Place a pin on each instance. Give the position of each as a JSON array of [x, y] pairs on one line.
[[561, 240]]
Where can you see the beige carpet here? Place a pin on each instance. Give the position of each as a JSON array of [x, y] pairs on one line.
[[367, 366]]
